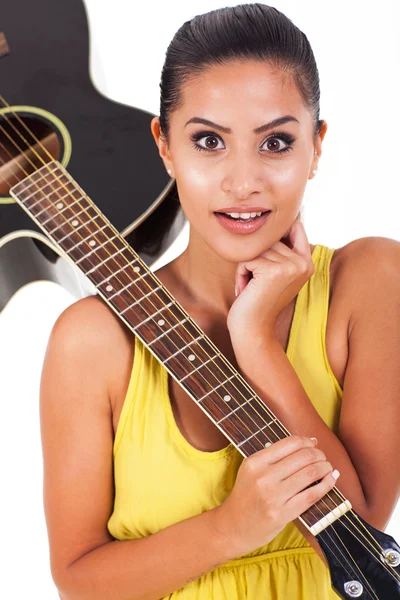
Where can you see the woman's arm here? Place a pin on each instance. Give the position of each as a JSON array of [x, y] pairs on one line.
[[86, 358], [365, 449]]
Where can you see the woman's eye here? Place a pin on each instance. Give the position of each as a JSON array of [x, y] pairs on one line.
[[277, 143], [206, 142]]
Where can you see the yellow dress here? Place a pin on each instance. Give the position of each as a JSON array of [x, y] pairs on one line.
[[161, 479]]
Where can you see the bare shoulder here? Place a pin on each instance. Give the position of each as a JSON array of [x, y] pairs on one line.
[[366, 264], [89, 332], [369, 248]]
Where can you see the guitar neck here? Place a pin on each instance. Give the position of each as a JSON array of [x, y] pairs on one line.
[[71, 220]]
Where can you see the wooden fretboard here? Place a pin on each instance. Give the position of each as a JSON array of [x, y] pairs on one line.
[[70, 219]]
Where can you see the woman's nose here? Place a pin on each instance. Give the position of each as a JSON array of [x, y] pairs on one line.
[[243, 176]]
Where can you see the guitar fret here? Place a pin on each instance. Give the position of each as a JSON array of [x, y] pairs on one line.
[[255, 433], [35, 182], [75, 215], [37, 202], [41, 199], [215, 388], [76, 229], [124, 288], [166, 332], [138, 301], [181, 349], [59, 212], [104, 261], [53, 204], [152, 316], [83, 239], [199, 367], [95, 249], [114, 273], [237, 408]]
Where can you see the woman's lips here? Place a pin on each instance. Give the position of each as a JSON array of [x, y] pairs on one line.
[[236, 226]]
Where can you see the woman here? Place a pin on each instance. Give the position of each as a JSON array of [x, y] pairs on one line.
[[144, 499]]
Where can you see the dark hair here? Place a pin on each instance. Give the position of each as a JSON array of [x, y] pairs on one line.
[[247, 31]]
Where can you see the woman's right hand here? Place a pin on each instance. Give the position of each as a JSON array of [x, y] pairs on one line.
[[269, 492]]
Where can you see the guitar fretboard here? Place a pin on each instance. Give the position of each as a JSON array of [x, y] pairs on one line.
[[70, 219]]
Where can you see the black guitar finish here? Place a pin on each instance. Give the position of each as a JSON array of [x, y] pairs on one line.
[[113, 152], [357, 566]]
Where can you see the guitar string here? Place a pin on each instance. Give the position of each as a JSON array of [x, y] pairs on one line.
[[92, 235], [128, 263], [95, 252], [363, 544], [376, 558], [3, 163], [329, 535], [153, 305], [349, 559], [92, 263]]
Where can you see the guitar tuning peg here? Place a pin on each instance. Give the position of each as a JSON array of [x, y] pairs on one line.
[[391, 557], [354, 589]]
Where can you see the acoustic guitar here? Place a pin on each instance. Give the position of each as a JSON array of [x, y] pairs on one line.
[[107, 146], [363, 561]]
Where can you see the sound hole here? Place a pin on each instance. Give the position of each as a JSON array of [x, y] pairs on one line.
[[25, 147]]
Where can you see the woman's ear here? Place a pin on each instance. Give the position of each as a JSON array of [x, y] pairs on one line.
[[162, 144]]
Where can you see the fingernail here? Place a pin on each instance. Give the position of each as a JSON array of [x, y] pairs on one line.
[[236, 290], [335, 474], [314, 440]]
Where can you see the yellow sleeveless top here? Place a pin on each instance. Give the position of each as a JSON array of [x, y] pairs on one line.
[[161, 479]]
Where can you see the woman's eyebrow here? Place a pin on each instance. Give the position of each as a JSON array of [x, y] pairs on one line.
[[270, 125]]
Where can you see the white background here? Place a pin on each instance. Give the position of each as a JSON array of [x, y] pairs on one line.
[[355, 194]]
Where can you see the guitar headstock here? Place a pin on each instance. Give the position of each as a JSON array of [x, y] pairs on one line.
[[363, 561]]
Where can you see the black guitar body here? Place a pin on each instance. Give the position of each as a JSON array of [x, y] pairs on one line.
[[106, 146]]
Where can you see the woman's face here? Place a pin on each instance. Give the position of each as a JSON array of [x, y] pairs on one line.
[[216, 169]]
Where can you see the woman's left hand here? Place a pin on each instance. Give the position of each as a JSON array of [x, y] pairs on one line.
[[268, 283]]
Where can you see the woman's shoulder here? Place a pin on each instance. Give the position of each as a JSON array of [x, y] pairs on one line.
[[364, 271], [90, 324], [90, 333], [357, 263]]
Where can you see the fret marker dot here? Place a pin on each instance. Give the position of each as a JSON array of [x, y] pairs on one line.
[[191, 357], [92, 243], [267, 444], [227, 398], [75, 222], [109, 288], [161, 322], [59, 205], [136, 269]]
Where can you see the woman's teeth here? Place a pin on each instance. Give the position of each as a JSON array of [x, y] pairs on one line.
[[243, 216]]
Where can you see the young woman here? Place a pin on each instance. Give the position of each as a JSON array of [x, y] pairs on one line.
[[144, 497]]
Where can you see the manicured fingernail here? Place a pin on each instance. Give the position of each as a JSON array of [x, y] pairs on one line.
[[314, 440], [335, 474], [236, 290]]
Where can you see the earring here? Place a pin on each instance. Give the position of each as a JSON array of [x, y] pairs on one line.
[[315, 170], [169, 171]]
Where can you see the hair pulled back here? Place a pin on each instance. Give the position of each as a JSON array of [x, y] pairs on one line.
[[247, 31]]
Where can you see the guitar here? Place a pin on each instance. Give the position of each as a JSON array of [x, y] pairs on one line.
[[363, 561], [44, 49]]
